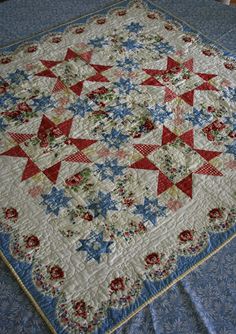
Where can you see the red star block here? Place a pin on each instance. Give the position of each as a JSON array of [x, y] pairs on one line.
[[164, 183], [47, 127], [70, 55], [175, 67]]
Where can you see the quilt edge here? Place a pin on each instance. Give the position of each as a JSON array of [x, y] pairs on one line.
[[27, 293], [149, 301], [179, 278], [57, 26]]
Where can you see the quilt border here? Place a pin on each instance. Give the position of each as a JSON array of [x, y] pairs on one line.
[[167, 287], [131, 315]]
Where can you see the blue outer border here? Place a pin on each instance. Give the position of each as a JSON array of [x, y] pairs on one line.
[[24, 271], [151, 288]]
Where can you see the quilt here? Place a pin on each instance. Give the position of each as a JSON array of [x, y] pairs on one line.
[[118, 158]]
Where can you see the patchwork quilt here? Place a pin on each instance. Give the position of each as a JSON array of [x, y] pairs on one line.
[[118, 158]]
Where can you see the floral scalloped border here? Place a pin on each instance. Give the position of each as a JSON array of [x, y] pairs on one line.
[[220, 222], [125, 4]]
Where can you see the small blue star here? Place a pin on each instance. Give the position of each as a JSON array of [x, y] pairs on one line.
[[43, 103], [7, 100], [95, 246], [132, 44], [231, 149], [98, 42], [231, 121], [127, 64], [119, 111], [103, 204], [198, 117], [17, 76], [81, 107], [160, 113], [134, 27], [110, 169], [115, 138], [55, 200], [230, 94], [150, 210], [3, 125], [163, 48], [125, 86]]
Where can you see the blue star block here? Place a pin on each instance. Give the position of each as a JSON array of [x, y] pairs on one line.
[[125, 86], [131, 44], [115, 138], [134, 27], [127, 64], [198, 117], [3, 125], [120, 111], [150, 210], [103, 204], [231, 149], [95, 246], [160, 114], [98, 42], [81, 107], [110, 169], [55, 200]]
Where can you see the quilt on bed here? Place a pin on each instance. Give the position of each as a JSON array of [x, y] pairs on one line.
[[117, 158]]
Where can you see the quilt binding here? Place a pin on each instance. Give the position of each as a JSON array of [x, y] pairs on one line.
[[188, 271]]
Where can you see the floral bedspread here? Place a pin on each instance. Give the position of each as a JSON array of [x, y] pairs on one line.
[[117, 153]]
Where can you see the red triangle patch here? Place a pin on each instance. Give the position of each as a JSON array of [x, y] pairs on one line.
[[15, 151], [20, 137], [172, 63], [208, 169], [50, 63], [65, 126], [206, 76], [186, 185], [70, 54], [189, 64], [30, 170], [45, 125], [52, 172], [151, 82], [98, 78], [208, 155], [59, 85], [46, 73], [167, 136], [144, 163], [86, 56], [77, 88], [78, 157], [81, 144], [100, 68], [206, 86], [146, 149], [188, 138], [163, 183], [188, 97], [154, 72], [169, 95]]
